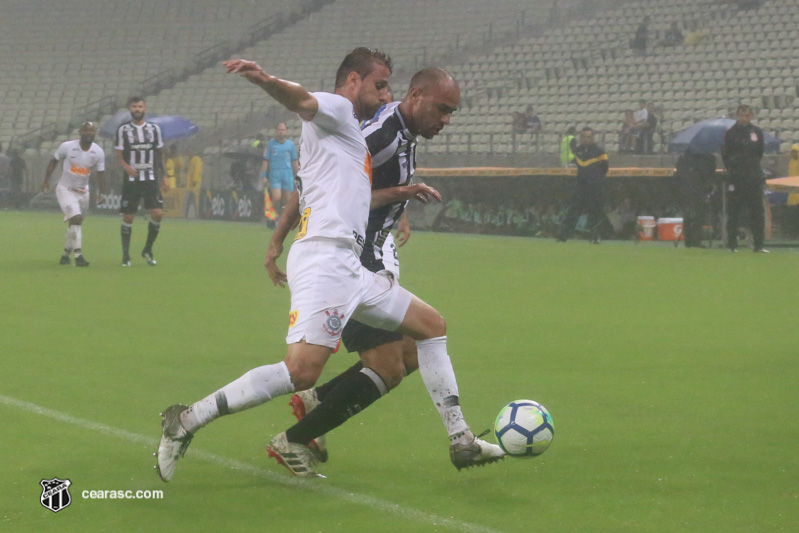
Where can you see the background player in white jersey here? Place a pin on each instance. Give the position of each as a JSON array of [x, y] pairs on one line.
[[138, 147], [391, 137], [327, 281], [79, 157]]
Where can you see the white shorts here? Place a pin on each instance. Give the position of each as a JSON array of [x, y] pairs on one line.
[[72, 201], [329, 286]]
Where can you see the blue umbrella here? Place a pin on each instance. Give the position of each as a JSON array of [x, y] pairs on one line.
[[173, 128], [707, 136]]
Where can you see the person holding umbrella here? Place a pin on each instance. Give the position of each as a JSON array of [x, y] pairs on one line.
[[741, 152]]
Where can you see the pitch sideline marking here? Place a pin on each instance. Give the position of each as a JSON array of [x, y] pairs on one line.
[[219, 460]]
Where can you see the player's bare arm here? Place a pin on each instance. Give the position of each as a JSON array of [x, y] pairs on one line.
[[403, 230], [287, 221], [417, 191], [292, 96], [49, 172], [132, 172]]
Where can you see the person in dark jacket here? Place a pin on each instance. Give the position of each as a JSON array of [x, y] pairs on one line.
[[695, 171], [592, 168], [741, 153]]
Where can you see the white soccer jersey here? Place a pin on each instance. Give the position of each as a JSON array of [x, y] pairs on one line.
[[78, 164], [335, 174]]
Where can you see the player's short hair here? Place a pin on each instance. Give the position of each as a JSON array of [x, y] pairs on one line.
[[362, 61], [743, 108], [135, 100], [429, 77]]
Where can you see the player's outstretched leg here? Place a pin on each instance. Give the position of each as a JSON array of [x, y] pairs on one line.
[[423, 323], [180, 423]]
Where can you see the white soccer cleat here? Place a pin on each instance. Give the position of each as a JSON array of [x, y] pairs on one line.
[[297, 458], [175, 441], [478, 453], [302, 403]]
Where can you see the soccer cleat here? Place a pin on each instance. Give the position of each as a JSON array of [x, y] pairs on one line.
[[148, 256], [80, 261], [125, 260], [302, 403], [478, 453], [175, 441], [297, 458], [733, 250], [761, 251], [64, 260]]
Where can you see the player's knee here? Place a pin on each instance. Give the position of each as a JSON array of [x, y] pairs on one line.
[[303, 376], [76, 220], [392, 375]]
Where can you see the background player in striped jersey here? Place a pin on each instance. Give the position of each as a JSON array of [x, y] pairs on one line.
[[391, 136], [138, 147], [79, 157]]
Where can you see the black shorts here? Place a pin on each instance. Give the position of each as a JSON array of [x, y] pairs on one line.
[[134, 191], [358, 337]]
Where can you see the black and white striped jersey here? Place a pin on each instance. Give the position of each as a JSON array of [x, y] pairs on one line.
[[393, 150], [138, 145]]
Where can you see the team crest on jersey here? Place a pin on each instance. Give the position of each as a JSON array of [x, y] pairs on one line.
[[293, 317], [55, 493], [334, 322]]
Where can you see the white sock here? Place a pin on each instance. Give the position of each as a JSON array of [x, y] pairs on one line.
[[69, 240], [257, 386], [435, 367], [77, 237]]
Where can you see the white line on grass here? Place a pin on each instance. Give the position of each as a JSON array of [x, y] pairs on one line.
[[309, 485]]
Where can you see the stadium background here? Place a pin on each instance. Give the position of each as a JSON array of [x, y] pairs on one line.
[[570, 59]]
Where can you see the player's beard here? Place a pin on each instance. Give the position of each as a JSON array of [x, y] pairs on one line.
[[137, 115]]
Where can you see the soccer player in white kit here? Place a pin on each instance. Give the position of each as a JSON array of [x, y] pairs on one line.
[[79, 157], [327, 280]]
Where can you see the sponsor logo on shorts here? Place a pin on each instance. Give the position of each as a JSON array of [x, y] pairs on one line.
[[293, 317], [334, 322]]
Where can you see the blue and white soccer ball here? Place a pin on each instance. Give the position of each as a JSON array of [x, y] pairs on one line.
[[524, 428]]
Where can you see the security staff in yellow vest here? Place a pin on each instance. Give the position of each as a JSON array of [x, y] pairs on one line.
[[567, 146], [592, 168]]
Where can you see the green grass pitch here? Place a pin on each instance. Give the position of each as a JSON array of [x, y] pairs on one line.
[[670, 374]]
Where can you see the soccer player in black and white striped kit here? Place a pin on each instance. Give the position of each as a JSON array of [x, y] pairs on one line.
[[391, 137], [138, 148]]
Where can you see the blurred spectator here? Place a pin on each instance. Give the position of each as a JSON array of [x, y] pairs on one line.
[[626, 139], [695, 35], [651, 127], [173, 168], [742, 152], [518, 122], [17, 176], [638, 43], [673, 37], [4, 161], [592, 168], [695, 172], [793, 165], [194, 174], [641, 125], [258, 143], [531, 121], [567, 145]]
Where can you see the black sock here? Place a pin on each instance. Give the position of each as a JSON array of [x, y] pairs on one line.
[[127, 229], [152, 233], [352, 395], [325, 389]]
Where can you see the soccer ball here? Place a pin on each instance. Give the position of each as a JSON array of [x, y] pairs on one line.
[[524, 428]]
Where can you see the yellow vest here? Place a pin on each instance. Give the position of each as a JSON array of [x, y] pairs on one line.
[[566, 154]]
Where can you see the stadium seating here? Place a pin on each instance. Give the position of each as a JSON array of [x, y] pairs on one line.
[[579, 71]]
